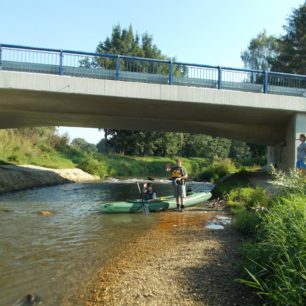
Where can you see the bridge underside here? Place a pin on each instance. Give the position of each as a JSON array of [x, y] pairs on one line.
[[24, 108], [28, 99]]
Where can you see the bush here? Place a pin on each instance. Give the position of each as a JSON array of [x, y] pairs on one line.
[[277, 262], [246, 222], [217, 169], [249, 198], [93, 166]]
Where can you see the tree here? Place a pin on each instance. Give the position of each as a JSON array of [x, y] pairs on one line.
[[260, 52], [83, 145], [239, 151], [291, 55], [125, 42]]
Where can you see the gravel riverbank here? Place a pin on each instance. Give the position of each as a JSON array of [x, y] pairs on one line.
[[178, 262], [14, 178]]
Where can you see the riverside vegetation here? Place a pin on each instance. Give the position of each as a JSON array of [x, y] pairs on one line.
[[43, 147], [274, 226]]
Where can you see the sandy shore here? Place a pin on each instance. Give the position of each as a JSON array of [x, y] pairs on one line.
[[14, 178], [178, 262]]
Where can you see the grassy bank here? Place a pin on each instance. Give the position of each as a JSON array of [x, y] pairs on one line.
[[274, 227], [43, 147]]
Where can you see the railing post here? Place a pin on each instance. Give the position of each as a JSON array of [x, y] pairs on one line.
[[219, 77], [61, 68], [118, 68], [171, 72], [0, 57], [265, 82]]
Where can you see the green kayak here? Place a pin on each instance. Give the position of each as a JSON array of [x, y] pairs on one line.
[[160, 204]]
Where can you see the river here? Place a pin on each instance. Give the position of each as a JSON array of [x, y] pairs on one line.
[[55, 256]]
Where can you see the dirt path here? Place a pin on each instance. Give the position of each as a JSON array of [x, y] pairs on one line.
[[179, 262]]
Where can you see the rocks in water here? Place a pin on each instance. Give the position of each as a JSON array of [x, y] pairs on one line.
[[5, 210], [29, 300], [45, 213]]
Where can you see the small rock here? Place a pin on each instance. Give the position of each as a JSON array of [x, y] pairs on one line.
[[45, 213], [29, 300]]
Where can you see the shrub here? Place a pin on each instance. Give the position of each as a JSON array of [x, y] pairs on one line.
[[93, 166], [277, 262], [246, 221], [217, 169], [249, 198]]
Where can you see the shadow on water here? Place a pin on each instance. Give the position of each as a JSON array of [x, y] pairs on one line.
[[214, 280]]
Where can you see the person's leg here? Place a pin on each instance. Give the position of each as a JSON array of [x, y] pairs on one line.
[[303, 169], [182, 195], [177, 196]]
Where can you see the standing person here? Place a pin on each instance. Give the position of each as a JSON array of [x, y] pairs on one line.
[[301, 155], [178, 177]]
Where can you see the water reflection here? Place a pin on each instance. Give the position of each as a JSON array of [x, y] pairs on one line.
[[218, 222]]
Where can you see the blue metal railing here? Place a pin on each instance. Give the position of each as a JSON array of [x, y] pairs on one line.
[[130, 68]]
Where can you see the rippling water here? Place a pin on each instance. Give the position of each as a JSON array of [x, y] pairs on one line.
[[54, 256]]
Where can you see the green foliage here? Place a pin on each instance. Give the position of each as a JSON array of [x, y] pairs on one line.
[[293, 181], [275, 258], [126, 42], [291, 46], [239, 151], [217, 169], [277, 262], [248, 198], [36, 146], [246, 221], [260, 52], [284, 54], [82, 145], [248, 204], [91, 165]]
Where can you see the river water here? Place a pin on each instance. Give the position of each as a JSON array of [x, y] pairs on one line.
[[55, 256]]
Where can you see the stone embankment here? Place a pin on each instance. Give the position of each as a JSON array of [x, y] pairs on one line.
[[14, 178]]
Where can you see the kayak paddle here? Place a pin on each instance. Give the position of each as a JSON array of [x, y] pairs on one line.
[[145, 208]]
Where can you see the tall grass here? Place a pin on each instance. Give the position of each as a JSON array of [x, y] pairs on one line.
[[19, 149], [275, 258]]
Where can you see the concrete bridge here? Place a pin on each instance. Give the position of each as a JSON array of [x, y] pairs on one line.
[[249, 108]]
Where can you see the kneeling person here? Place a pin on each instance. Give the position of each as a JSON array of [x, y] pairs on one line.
[[149, 194]]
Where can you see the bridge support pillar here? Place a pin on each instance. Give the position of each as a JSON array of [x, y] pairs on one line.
[[283, 155]]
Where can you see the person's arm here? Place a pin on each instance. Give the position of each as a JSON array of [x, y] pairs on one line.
[[153, 197], [184, 176]]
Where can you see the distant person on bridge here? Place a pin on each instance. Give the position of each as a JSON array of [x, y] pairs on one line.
[[301, 155], [178, 177]]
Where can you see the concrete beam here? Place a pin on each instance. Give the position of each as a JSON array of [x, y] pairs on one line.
[[28, 99]]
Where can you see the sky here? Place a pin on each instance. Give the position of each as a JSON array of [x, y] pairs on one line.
[[194, 31]]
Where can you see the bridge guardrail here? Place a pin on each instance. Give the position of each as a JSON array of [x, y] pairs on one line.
[[129, 68]]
